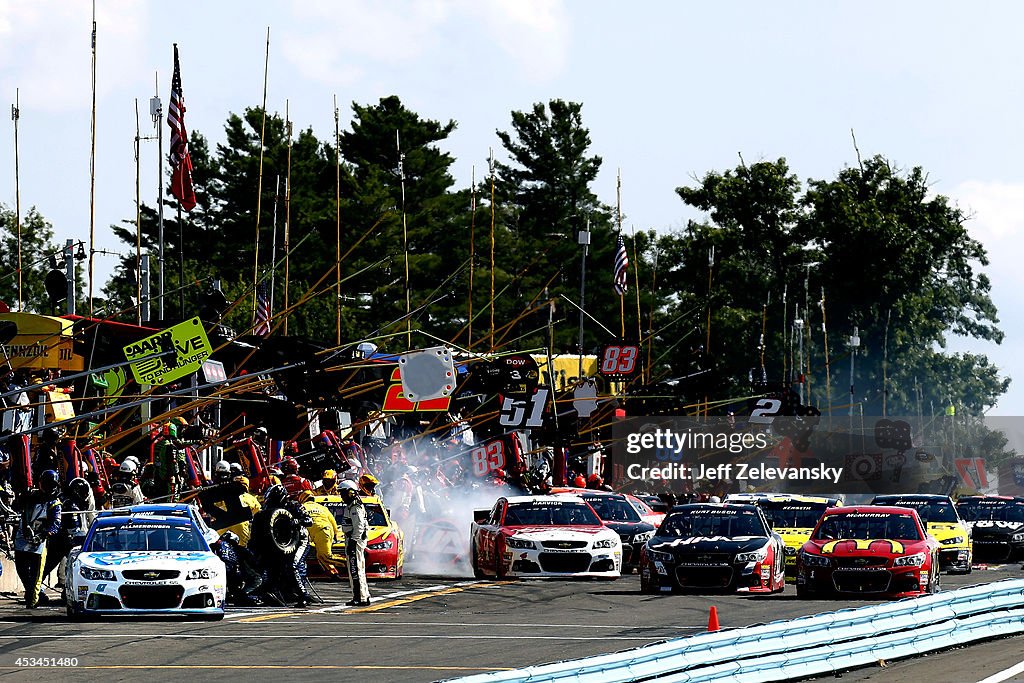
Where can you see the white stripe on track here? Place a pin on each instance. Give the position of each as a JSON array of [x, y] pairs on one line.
[[1005, 674]]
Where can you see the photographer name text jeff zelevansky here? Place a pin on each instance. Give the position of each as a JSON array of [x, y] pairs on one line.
[[734, 471]]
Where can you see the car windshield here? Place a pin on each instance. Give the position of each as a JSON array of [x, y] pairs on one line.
[[146, 536], [992, 511], [783, 514], [613, 508], [375, 515], [927, 510], [867, 525], [550, 513], [712, 522]]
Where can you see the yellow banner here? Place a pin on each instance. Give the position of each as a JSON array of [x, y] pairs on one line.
[[43, 342]]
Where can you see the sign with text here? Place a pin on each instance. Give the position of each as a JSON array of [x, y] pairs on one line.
[[169, 354]]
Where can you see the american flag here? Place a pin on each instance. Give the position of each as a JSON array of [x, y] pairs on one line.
[[262, 324], [621, 264], [181, 161]]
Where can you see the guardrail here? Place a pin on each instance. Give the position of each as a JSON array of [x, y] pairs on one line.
[[806, 646]]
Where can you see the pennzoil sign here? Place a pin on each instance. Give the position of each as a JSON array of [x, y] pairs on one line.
[[169, 354]]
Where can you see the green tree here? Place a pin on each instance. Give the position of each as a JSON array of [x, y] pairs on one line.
[[37, 247]]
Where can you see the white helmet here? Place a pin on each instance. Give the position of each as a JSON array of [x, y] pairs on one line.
[[222, 467], [129, 466], [714, 499], [347, 485]]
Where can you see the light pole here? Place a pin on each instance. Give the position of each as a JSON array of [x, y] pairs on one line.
[[583, 238], [798, 327], [854, 342]]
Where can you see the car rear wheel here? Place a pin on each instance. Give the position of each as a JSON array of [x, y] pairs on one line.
[[802, 592]]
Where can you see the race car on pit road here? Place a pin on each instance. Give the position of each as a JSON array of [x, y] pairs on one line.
[[791, 516], [721, 546], [385, 545], [645, 506], [867, 549], [543, 536], [997, 526], [619, 515], [166, 510], [943, 522], [144, 565]]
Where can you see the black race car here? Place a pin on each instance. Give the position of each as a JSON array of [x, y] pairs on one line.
[[997, 524], [620, 516], [714, 545]]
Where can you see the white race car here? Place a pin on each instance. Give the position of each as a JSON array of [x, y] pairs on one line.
[[144, 565], [544, 536]]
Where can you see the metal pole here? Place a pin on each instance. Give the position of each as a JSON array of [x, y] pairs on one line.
[[69, 271], [273, 242], [92, 166], [584, 239], [15, 115], [144, 283], [156, 110]]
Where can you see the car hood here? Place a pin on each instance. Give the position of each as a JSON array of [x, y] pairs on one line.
[[719, 544], [848, 547], [943, 530], [149, 559], [558, 533], [995, 528], [629, 528]]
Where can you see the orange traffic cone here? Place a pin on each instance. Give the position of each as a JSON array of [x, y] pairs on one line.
[[713, 620]]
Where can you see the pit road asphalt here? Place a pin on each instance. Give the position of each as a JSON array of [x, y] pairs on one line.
[[421, 628]]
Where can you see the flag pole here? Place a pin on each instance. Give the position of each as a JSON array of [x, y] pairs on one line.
[[618, 218], [156, 110], [472, 249], [259, 188], [181, 263], [337, 220], [15, 116], [707, 342], [287, 212], [92, 164]]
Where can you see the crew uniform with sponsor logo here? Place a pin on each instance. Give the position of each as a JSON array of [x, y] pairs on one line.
[[356, 528], [40, 521]]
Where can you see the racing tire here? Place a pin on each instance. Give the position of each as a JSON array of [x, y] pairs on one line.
[[219, 616], [74, 614], [802, 593], [647, 587], [280, 532]]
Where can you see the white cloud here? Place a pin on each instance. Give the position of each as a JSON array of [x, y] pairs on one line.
[[996, 213], [45, 49], [338, 42]]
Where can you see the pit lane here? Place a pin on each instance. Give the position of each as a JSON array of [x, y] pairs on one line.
[[418, 629]]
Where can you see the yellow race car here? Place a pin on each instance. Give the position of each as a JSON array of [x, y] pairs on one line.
[[943, 522], [385, 545], [792, 516]]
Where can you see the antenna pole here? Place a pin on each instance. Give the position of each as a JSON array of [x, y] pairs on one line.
[[15, 115], [287, 212], [92, 164], [337, 221], [405, 243], [259, 183]]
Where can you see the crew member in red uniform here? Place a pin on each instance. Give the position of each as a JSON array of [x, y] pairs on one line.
[[293, 482]]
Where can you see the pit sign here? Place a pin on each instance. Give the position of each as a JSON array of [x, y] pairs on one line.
[[186, 340]]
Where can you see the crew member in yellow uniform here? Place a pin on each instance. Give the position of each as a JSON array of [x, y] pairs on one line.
[[244, 529], [323, 534]]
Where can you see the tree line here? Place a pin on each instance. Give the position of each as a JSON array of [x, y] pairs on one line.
[[768, 285]]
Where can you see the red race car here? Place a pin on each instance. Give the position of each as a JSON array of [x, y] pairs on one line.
[[877, 550], [543, 536]]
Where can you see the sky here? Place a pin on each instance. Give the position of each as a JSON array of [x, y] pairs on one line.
[[670, 91]]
